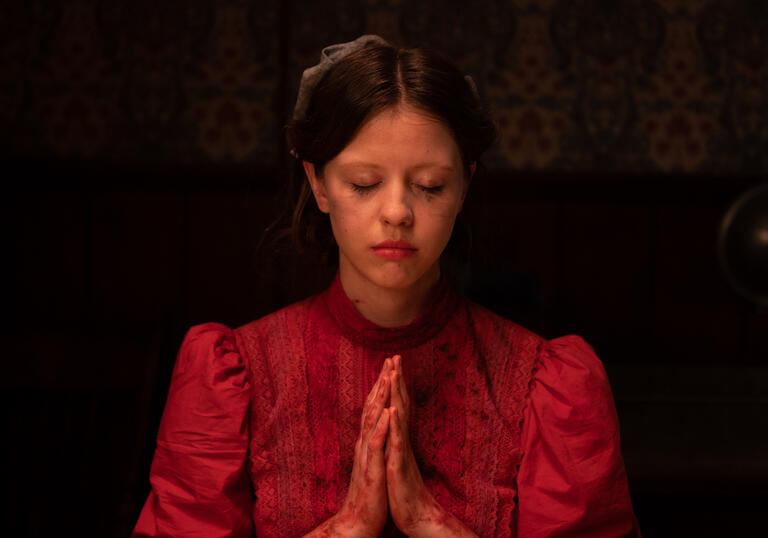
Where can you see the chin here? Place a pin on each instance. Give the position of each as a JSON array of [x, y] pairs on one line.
[[399, 278]]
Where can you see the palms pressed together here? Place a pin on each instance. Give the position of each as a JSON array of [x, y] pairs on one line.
[[388, 479]]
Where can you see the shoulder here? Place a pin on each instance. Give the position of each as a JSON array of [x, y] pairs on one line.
[[570, 352], [209, 376], [277, 332], [292, 314], [569, 361], [497, 335], [204, 346], [570, 392]]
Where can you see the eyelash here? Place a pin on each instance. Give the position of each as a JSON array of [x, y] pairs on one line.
[[431, 190], [365, 189]]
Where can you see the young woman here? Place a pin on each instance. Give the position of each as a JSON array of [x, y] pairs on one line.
[[387, 405]]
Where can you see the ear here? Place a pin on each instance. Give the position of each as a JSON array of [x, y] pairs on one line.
[[317, 185]]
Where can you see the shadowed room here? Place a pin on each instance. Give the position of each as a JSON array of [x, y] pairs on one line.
[[144, 153]]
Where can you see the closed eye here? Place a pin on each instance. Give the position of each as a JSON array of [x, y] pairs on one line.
[[363, 189], [431, 190]]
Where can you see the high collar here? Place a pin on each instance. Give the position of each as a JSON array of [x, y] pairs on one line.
[[360, 330]]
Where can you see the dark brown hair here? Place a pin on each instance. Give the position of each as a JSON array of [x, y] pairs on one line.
[[364, 83]]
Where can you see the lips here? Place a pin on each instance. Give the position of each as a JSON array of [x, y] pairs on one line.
[[394, 250]]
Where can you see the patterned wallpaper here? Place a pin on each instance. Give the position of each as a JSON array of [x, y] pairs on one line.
[[625, 86]]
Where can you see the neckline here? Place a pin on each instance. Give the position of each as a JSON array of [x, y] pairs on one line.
[[360, 330]]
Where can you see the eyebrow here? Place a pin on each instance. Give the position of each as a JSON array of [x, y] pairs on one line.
[[364, 164]]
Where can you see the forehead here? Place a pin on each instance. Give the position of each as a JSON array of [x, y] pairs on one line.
[[402, 136]]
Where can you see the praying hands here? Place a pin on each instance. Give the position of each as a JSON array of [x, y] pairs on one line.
[[388, 478]]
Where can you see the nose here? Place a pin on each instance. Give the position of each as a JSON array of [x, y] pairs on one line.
[[396, 206]]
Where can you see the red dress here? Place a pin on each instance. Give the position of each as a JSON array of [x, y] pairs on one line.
[[515, 435]]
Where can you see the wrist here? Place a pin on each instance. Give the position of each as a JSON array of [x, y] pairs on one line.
[[343, 525], [440, 523], [431, 521]]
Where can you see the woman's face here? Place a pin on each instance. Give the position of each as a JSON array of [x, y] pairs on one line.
[[393, 194]]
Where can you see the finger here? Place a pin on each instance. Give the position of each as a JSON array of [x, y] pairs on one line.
[[396, 402], [383, 373], [398, 394], [371, 424], [394, 394], [373, 405], [401, 380], [397, 366], [397, 363], [379, 434], [372, 411], [386, 367], [395, 440], [374, 454], [374, 389]]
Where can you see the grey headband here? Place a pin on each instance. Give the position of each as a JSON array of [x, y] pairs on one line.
[[329, 56]]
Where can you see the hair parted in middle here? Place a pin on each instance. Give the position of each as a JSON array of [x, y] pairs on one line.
[[364, 83]]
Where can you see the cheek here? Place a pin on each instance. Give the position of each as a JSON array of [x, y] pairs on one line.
[[345, 215], [442, 215], [440, 225]]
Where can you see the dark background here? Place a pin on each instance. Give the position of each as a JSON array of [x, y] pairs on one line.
[[142, 158]]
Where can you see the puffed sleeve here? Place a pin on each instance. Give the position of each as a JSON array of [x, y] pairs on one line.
[[572, 480], [199, 483]]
